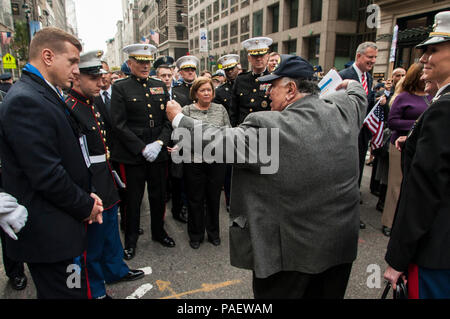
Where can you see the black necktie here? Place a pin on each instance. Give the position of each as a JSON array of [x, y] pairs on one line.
[[107, 101]]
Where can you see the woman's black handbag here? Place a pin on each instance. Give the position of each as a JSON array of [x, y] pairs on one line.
[[400, 293]]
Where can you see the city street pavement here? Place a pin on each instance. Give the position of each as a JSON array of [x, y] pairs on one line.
[[184, 273]]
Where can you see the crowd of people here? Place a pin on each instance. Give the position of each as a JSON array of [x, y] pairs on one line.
[[79, 144]]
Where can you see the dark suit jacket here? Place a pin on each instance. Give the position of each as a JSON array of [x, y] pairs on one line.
[[43, 167], [420, 233], [350, 73]]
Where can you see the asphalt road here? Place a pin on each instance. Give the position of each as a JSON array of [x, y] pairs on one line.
[[184, 273]]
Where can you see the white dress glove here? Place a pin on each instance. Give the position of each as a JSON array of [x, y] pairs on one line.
[[7, 203], [151, 151], [13, 222]]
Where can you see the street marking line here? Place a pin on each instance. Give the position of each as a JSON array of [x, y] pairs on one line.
[[140, 292], [205, 288], [165, 285], [147, 270]]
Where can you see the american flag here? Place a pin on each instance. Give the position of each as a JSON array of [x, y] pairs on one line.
[[144, 40], [154, 36], [375, 123]]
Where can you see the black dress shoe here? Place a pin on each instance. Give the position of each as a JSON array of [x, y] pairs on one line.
[[140, 231], [166, 241], [194, 244], [19, 282], [386, 231], [133, 274], [362, 225], [129, 253], [215, 242]]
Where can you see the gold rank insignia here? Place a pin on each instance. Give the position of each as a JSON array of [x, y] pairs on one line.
[[158, 90], [162, 106], [264, 104]]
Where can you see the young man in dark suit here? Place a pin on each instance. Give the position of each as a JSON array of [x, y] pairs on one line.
[[44, 168], [366, 55]]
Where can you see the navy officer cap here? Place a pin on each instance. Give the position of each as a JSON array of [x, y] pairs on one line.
[[164, 60], [5, 76], [291, 66]]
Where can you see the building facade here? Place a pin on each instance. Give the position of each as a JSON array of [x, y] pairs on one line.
[[326, 32], [415, 19], [163, 23]]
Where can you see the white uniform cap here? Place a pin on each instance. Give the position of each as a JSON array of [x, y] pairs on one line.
[[91, 63], [257, 46], [140, 51], [228, 61], [188, 61], [441, 30]]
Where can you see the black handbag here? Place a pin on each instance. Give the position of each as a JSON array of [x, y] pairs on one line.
[[400, 293]]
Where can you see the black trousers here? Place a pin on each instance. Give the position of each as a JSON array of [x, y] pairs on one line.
[[330, 284], [12, 268], [155, 175], [363, 144], [204, 185], [120, 169], [60, 280]]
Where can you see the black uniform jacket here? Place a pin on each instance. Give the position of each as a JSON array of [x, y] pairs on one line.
[[106, 117], [181, 93], [224, 95], [138, 114], [93, 126], [43, 167], [249, 95], [421, 229]]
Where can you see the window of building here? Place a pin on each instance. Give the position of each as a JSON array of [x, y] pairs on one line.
[[216, 35], [273, 47], [179, 16], [245, 3], [245, 24], [234, 5], [208, 12], [224, 5], [274, 18], [293, 14], [348, 10], [290, 47], [316, 10], [234, 28], [258, 23], [244, 59], [216, 7], [313, 49], [196, 42], [344, 51], [202, 18], [15, 9], [224, 32]]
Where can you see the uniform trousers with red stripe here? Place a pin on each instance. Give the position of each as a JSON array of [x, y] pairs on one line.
[[67, 279], [155, 175], [425, 283]]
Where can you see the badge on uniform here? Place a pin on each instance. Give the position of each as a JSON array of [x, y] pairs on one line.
[[158, 90], [264, 104]]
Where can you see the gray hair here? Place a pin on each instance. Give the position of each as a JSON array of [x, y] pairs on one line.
[[364, 46], [303, 85]]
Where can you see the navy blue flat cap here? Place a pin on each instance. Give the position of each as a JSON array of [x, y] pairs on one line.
[[291, 66], [5, 76]]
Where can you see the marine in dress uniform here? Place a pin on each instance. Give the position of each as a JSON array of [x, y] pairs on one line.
[[181, 93], [142, 134], [249, 94], [104, 253], [224, 96], [420, 233]]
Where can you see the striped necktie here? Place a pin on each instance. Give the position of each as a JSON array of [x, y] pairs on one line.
[[364, 83], [107, 101]]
